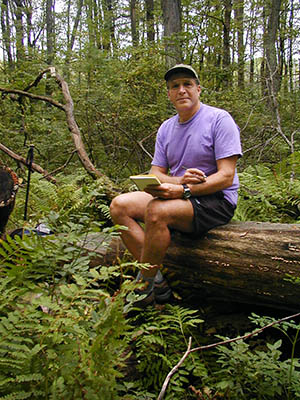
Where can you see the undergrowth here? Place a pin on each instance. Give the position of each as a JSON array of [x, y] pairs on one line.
[[270, 194], [68, 331]]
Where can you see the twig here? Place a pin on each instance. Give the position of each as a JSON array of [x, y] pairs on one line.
[[210, 346], [173, 370], [62, 166]]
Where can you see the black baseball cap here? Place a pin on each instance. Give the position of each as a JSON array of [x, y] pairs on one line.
[[181, 68]]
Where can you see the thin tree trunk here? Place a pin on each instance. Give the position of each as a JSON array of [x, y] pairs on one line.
[[290, 58], [50, 30], [133, 22], [6, 34], [272, 71], [239, 16], [226, 42], [20, 49], [172, 28], [150, 20], [109, 25]]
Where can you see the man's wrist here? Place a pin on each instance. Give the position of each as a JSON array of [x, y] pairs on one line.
[[186, 192]]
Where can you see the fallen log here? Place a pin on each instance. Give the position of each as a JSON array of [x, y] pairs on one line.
[[244, 262]]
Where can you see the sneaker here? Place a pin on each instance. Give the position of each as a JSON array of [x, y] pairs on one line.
[[162, 291], [148, 294], [159, 293], [146, 301]]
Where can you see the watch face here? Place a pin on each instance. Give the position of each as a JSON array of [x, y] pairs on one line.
[[186, 192]]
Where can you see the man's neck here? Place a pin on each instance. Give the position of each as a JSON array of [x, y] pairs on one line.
[[185, 116]]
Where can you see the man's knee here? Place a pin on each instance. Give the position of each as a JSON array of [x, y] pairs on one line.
[[117, 206], [156, 211], [124, 205]]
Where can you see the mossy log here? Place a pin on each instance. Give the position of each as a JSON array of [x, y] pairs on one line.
[[245, 262]]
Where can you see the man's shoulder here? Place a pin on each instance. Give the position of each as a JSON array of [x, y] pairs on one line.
[[206, 108], [169, 122]]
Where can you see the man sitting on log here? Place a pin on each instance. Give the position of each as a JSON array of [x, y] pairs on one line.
[[8, 189], [195, 158]]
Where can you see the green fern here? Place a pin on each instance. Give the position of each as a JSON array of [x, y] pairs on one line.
[[160, 343], [269, 194]]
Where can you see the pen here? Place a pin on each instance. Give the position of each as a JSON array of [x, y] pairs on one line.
[[204, 176]]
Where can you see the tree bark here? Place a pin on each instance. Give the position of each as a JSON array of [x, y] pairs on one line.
[[20, 49], [172, 27], [239, 17], [150, 20], [243, 262], [226, 42], [6, 33], [272, 72], [133, 23]]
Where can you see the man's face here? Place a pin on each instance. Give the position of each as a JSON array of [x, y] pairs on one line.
[[183, 92]]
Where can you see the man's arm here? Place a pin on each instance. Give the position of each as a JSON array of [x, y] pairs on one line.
[[171, 187], [220, 180], [162, 174]]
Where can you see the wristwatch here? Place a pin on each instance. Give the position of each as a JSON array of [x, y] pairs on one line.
[[186, 192]]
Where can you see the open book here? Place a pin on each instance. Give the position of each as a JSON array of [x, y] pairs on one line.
[[142, 181]]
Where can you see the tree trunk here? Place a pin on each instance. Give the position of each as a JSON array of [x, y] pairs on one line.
[[109, 39], [244, 262], [6, 32], [272, 72], [290, 46], [239, 17], [172, 28], [226, 42], [20, 49], [150, 20], [133, 23]]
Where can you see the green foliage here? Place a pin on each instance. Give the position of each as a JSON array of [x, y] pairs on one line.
[[160, 341], [269, 193], [66, 330], [63, 328], [256, 370], [247, 374], [75, 198]]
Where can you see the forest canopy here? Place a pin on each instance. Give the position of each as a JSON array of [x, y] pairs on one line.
[[82, 91]]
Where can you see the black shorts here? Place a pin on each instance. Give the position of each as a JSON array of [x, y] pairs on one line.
[[210, 211]]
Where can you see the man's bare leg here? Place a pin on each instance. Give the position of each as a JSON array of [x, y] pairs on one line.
[[128, 210], [150, 246], [160, 216]]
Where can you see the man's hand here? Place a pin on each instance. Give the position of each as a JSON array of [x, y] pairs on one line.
[[165, 191], [193, 176]]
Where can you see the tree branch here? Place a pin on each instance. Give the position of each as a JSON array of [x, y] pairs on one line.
[[68, 108], [22, 160]]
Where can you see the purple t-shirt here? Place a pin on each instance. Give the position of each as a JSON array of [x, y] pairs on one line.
[[211, 134]]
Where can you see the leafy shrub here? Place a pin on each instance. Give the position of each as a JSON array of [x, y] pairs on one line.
[[159, 342], [269, 193], [63, 330]]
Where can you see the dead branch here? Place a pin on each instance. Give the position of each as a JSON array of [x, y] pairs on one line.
[[68, 108], [33, 96], [22, 160], [174, 369]]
